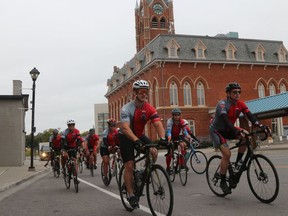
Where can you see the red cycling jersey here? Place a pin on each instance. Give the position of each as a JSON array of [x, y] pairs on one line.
[[92, 140], [112, 138], [72, 137], [56, 142]]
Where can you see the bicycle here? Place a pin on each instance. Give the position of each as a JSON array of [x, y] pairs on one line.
[[262, 176], [55, 164], [175, 166], [158, 186], [114, 168], [71, 172], [198, 160]]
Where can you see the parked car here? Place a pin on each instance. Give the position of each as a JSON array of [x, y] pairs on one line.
[[45, 152]]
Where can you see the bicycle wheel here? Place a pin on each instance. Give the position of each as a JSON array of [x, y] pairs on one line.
[[123, 191], [182, 171], [75, 178], [173, 167], [159, 191], [118, 166], [198, 162], [213, 175], [80, 165], [263, 179], [109, 176], [56, 169], [91, 167], [67, 178]]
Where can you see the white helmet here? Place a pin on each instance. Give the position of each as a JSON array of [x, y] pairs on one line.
[[140, 84], [71, 121]]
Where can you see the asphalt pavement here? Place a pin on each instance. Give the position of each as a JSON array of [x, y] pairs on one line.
[[16, 175]]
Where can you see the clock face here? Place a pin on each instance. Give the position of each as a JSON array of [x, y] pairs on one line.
[[157, 8]]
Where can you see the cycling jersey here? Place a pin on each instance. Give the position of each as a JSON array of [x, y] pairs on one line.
[[138, 117], [110, 137], [92, 140], [232, 109], [55, 142], [71, 138], [175, 130]]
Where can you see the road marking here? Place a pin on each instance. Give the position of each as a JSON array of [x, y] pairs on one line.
[[143, 208]]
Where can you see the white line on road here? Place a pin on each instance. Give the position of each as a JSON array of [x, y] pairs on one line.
[[143, 208]]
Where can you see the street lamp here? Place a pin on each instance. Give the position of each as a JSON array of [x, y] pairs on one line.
[[34, 74]]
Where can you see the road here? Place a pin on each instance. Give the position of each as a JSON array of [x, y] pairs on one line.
[[48, 196]]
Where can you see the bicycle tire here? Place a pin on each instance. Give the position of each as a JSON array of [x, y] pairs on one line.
[[56, 169], [159, 190], [118, 166], [75, 178], [182, 172], [109, 176], [198, 162], [173, 167], [80, 165], [67, 178], [213, 175], [123, 191], [263, 178], [91, 167]]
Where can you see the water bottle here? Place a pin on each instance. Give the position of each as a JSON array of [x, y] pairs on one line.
[[238, 165]]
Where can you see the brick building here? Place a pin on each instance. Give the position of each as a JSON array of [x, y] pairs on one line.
[[191, 72]]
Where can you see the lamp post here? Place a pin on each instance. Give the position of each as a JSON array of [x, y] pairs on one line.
[[34, 74]]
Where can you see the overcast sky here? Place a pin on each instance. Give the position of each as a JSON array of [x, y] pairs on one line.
[[75, 44]]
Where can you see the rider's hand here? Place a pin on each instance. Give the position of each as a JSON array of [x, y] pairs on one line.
[[163, 142], [138, 144]]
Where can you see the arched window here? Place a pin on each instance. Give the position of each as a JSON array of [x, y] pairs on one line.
[[283, 88], [173, 94], [187, 94], [272, 89], [162, 23], [261, 90], [156, 95], [200, 94], [154, 22]]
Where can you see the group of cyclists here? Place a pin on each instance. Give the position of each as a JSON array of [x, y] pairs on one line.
[[130, 134]]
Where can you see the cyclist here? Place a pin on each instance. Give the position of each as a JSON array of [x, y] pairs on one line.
[[91, 142], [134, 116], [176, 131], [55, 145], [110, 141], [222, 128], [71, 140]]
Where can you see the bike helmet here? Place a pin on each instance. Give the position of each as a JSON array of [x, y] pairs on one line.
[[92, 131], [176, 110], [71, 121], [55, 131], [231, 86], [140, 84]]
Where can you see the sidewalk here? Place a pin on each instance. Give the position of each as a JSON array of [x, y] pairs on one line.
[[12, 176]]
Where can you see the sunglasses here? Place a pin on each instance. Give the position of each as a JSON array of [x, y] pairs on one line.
[[176, 114], [71, 125], [236, 92], [143, 91]]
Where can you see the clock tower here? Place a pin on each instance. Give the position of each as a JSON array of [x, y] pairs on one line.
[[153, 17]]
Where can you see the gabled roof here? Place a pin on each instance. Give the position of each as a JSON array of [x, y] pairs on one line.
[[269, 107]]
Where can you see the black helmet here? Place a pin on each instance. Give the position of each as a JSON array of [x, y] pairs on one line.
[[176, 110], [92, 131], [231, 86]]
